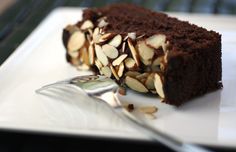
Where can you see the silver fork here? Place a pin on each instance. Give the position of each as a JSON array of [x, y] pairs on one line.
[[105, 90]]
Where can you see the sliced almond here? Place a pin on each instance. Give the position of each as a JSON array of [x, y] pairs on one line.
[[106, 37], [98, 64], [116, 41], [102, 23], [146, 62], [148, 109], [149, 83], [156, 40], [101, 55], [123, 47], [114, 72], [129, 63], [135, 84], [119, 59], [110, 51], [125, 38], [74, 54], [132, 35], [132, 73], [146, 53], [106, 71], [91, 54], [72, 28], [76, 41], [133, 52], [142, 76], [90, 32], [87, 25], [96, 35], [158, 85], [121, 69], [153, 91], [139, 37]]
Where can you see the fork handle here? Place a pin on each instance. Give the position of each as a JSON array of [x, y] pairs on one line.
[[157, 135]]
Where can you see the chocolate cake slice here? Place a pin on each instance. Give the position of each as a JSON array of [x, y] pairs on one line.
[[146, 51]]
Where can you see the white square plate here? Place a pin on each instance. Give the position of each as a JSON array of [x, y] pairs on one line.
[[40, 59]]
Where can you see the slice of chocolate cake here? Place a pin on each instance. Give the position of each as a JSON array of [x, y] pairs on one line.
[[147, 51]]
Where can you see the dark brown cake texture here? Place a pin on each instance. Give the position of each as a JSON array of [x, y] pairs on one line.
[[146, 51]]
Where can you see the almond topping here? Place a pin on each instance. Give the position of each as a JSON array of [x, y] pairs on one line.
[[121, 69], [116, 41], [119, 59], [87, 25], [158, 85], [156, 41], [76, 41], [105, 37], [142, 76], [133, 52], [91, 54], [129, 63], [106, 71], [148, 109], [146, 53], [132, 73], [135, 84], [114, 72], [101, 55], [96, 35], [72, 28], [132, 35], [98, 64], [74, 54], [123, 47], [149, 81], [110, 51]]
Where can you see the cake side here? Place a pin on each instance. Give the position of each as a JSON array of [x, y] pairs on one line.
[[146, 51]]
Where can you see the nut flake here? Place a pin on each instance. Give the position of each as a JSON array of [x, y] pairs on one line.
[[121, 70], [133, 52], [158, 85], [106, 71], [76, 41], [119, 59], [101, 55], [135, 84], [110, 51], [129, 63], [87, 25], [116, 41], [156, 41], [146, 53]]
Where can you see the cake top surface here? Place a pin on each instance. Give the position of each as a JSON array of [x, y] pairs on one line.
[[126, 18]]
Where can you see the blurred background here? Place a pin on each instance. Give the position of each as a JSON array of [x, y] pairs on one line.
[[19, 17]]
